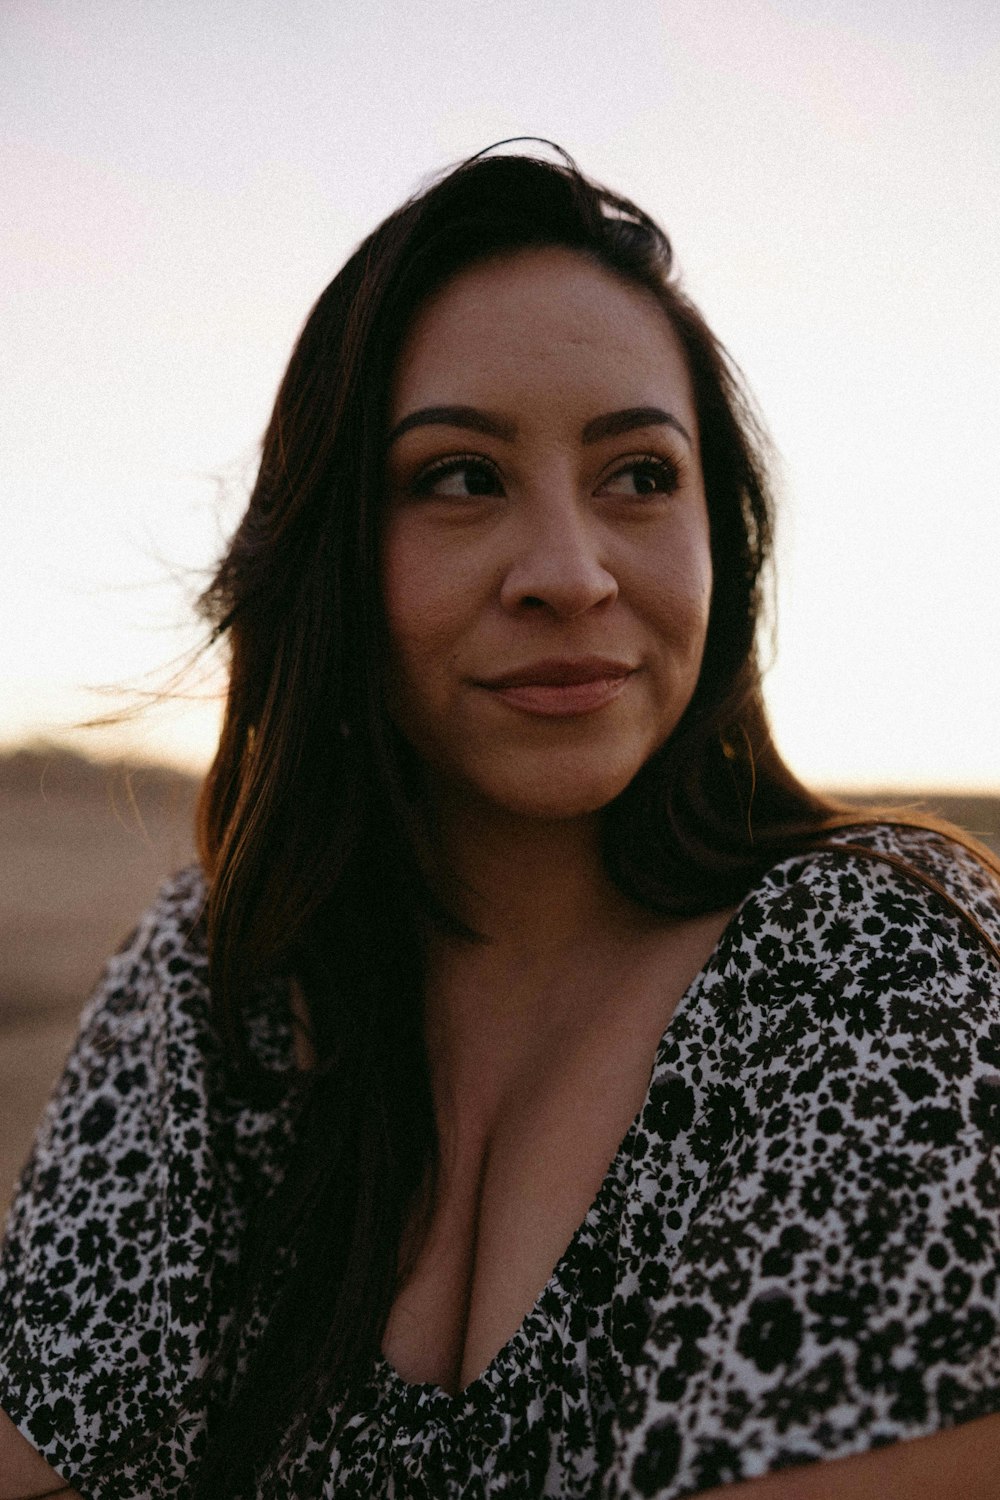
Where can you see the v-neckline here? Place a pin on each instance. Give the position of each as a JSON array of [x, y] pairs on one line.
[[430, 1398]]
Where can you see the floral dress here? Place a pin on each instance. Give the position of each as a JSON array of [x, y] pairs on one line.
[[795, 1254]]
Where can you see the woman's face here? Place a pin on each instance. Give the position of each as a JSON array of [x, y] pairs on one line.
[[546, 564]]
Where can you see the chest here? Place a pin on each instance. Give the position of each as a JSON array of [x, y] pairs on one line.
[[507, 1210], [499, 1228]]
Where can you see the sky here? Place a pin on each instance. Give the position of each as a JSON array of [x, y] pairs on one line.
[[181, 180]]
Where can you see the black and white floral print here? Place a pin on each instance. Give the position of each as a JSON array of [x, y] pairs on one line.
[[795, 1254]]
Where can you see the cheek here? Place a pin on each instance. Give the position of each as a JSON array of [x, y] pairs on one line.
[[691, 582], [427, 605], [678, 591]]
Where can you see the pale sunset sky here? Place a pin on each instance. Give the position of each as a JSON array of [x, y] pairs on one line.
[[181, 180]]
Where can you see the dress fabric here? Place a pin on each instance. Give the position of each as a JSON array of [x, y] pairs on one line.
[[795, 1254]]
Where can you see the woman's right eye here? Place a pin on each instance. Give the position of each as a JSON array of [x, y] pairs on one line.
[[459, 478]]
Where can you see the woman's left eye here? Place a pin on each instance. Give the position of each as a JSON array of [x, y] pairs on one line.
[[643, 476]]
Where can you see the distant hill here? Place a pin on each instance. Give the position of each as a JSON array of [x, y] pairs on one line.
[[976, 813], [49, 769], [83, 847]]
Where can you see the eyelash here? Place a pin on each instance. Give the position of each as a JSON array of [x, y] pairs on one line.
[[445, 467], [664, 471]]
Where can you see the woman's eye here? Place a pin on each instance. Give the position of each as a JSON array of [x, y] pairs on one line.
[[643, 476], [458, 478]]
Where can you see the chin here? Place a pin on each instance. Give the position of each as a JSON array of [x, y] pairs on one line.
[[552, 800]]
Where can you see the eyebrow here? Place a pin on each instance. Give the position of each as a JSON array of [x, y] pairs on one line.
[[455, 416], [627, 420], [611, 424]]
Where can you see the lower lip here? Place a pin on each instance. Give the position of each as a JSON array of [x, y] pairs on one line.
[[562, 700]]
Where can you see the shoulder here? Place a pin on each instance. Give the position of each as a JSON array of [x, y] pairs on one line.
[[862, 974], [159, 974], [174, 918], [153, 1001], [884, 913], [866, 978], [850, 1007], [145, 1041], [899, 870], [168, 942], [148, 1072]]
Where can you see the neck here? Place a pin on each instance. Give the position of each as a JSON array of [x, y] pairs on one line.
[[554, 933], [530, 886]]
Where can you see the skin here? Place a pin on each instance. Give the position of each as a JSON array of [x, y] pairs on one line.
[[575, 547], [23, 1471], [552, 547]]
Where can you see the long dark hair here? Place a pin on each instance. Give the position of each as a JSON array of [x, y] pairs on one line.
[[318, 863]]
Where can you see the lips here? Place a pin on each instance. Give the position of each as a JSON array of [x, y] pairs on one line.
[[559, 673], [561, 688]]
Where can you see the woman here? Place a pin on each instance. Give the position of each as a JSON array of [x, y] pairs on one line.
[[536, 1090]]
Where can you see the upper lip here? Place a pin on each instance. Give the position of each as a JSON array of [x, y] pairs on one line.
[[560, 672]]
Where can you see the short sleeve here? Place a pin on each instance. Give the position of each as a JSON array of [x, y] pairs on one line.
[[837, 1287], [115, 1271]]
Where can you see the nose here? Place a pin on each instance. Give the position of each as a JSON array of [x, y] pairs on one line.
[[556, 563]]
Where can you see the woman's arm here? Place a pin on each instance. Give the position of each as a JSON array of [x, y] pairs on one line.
[[961, 1463], [23, 1471]]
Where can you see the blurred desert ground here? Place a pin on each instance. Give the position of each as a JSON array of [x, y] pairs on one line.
[[83, 847]]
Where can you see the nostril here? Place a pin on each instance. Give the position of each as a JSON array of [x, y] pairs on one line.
[[564, 580]]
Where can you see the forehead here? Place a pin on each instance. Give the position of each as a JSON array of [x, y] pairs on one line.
[[535, 320]]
